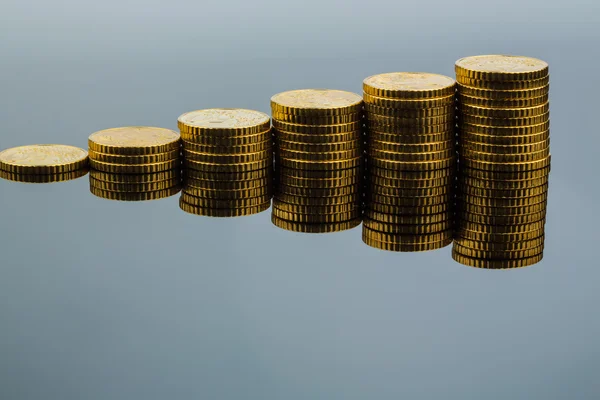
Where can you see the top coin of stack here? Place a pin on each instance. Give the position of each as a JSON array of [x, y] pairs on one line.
[[228, 159], [504, 160], [410, 161], [318, 149], [43, 163], [135, 163]]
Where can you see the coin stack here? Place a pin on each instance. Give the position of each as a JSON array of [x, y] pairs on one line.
[[504, 161], [410, 161], [135, 163], [318, 160], [43, 163], [228, 160]]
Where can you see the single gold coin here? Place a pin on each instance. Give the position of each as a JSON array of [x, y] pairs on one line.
[[502, 104], [303, 209], [315, 227], [42, 159], [317, 183], [502, 95], [227, 167], [502, 220], [408, 210], [408, 103], [317, 201], [134, 187], [230, 176], [406, 238], [464, 207], [136, 168], [138, 160], [225, 141], [405, 247], [462, 225], [221, 194], [317, 129], [510, 131], [412, 165], [503, 85], [227, 159], [223, 212], [400, 183], [408, 229], [219, 203], [501, 68], [242, 149], [505, 140], [446, 128], [468, 154], [408, 122], [350, 145], [409, 201], [228, 184], [134, 141], [135, 196], [464, 118], [409, 192], [321, 120], [506, 175], [45, 178], [409, 85], [318, 139], [415, 219], [496, 264], [316, 102], [502, 166], [319, 165], [322, 156], [431, 147], [506, 246], [316, 218], [502, 184], [445, 111], [354, 189], [487, 112], [478, 147], [408, 140], [224, 121], [405, 175], [498, 237], [498, 255], [136, 178], [502, 202], [373, 153]]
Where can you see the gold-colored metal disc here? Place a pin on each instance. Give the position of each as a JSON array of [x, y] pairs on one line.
[[138, 160], [501, 166], [497, 255], [318, 192], [501, 184], [323, 156], [510, 131], [218, 203], [409, 85], [134, 187], [447, 128], [315, 228], [501, 68], [464, 207], [221, 194], [506, 246], [408, 140], [409, 201], [464, 118], [408, 192], [502, 95], [225, 141], [502, 220], [463, 225], [501, 104], [373, 153], [402, 148], [408, 229], [229, 176], [316, 218], [319, 165], [227, 168], [228, 185], [317, 201], [502, 202], [322, 120], [318, 139], [303, 209], [405, 247], [227, 159], [136, 178], [496, 264], [317, 183], [134, 141], [42, 159], [223, 212], [504, 140], [410, 175], [409, 210], [503, 193], [412, 166], [316, 129], [135, 196], [479, 147], [406, 238], [407, 122], [503, 85], [498, 237], [409, 104], [224, 121], [505, 175], [351, 145], [410, 184], [316, 102], [445, 111], [136, 168], [487, 112], [45, 178], [467, 154], [242, 149], [415, 219]]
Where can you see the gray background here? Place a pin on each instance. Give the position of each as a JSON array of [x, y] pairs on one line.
[[109, 300]]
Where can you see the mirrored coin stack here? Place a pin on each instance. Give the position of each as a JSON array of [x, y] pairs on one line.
[[318, 160], [410, 161], [135, 163], [504, 161], [228, 161]]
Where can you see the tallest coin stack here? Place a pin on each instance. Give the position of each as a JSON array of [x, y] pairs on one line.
[[504, 161]]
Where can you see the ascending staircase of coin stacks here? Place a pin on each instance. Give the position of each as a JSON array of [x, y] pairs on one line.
[[135, 163], [318, 160], [228, 160]]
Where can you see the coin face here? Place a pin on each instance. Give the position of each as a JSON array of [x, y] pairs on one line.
[[134, 136], [502, 64], [226, 118], [409, 81], [317, 99], [42, 155]]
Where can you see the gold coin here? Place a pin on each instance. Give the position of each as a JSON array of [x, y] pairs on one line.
[[502, 220], [135, 196], [224, 121], [221, 194], [412, 166], [408, 104], [317, 201], [225, 141], [504, 158], [409, 210], [463, 118], [498, 255], [506, 175], [464, 207], [506, 246], [416, 219], [503, 193], [409, 229], [324, 156], [243, 149], [219, 203], [497, 143], [414, 123], [503, 202], [353, 173], [316, 102], [316, 218], [409, 157], [138, 160], [510, 131], [228, 158], [409, 85], [503, 85], [410, 184], [502, 104], [527, 112], [318, 183], [228, 185], [500, 67], [447, 128], [134, 187], [409, 201], [45, 178], [502, 166], [498, 237], [502, 185], [410, 175], [319, 165], [404, 247], [323, 120], [134, 141], [409, 192], [320, 147], [223, 212], [136, 168], [410, 148], [462, 225], [302, 209], [496, 264], [136, 178], [229, 176], [503, 94], [406, 238], [318, 139], [42, 159], [317, 129], [315, 228], [408, 140], [319, 192], [227, 168], [445, 111]]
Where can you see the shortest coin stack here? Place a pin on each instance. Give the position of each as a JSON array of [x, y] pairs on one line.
[[228, 161], [135, 163], [43, 163]]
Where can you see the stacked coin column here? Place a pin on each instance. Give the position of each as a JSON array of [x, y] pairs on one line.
[[410, 161], [135, 163], [504, 161], [228, 161], [318, 160]]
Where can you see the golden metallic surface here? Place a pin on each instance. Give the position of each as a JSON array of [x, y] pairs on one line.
[[498, 237], [416, 219], [410, 175], [502, 220], [42, 159], [408, 103], [410, 148], [127, 159], [227, 159], [493, 246], [408, 192], [227, 168], [218, 203], [224, 121], [505, 175], [510, 131], [45, 178], [406, 238], [405, 247], [316, 102], [503, 202], [445, 111], [323, 156], [409, 85], [135, 196], [317, 183], [319, 165], [228, 185], [503, 85], [265, 145], [412, 183], [409, 210], [317, 201], [303, 209], [505, 166], [136, 178], [318, 192], [134, 187], [408, 201], [412, 166], [502, 95], [503, 193], [316, 129], [501, 211], [498, 255], [320, 147], [223, 212], [501, 67], [373, 153], [315, 228], [229, 176], [467, 154], [372, 126], [331, 174], [316, 139], [464, 118], [526, 112], [136, 168], [323, 120], [504, 149], [407, 140], [221, 194], [502, 104], [463, 225], [502, 184], [496, 264], [225, 141], [409, 229], [398, 121], [504, 140], [134, 141], [316, 218]]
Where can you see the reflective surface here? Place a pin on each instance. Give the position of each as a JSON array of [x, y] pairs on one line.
[[102, 299]]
